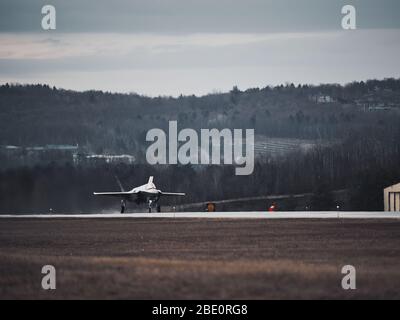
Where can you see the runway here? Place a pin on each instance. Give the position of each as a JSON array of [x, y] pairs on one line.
[[218, 215], [199, 258]]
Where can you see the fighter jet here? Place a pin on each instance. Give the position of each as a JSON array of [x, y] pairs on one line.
[[147, 193]]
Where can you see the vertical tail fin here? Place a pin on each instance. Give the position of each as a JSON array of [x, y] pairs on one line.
[[151, 178], [120, 184]]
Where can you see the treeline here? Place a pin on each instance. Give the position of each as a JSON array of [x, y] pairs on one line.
[[362, 154], [69, 189], [104, 122]]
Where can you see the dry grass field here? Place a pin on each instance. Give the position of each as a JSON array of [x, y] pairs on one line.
[[199, 259]]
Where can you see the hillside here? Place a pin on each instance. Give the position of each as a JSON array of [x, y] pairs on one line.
[[100, 122], [308, 139]]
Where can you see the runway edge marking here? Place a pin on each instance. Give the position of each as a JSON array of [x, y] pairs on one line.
[[217, 215]]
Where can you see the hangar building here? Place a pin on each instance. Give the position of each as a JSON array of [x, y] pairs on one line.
[[391, 196]]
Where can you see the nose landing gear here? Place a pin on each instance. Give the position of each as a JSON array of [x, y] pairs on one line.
[[123, 206]]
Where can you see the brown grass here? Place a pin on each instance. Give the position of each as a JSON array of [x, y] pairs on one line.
[[199, 259]]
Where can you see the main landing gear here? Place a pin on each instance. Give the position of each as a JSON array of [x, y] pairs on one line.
[[123, 206], [158, 206]]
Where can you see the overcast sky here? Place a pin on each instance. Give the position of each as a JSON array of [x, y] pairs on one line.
[[169, 47]]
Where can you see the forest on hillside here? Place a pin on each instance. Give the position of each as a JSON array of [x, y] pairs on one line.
[[117, 123], [359, 120]]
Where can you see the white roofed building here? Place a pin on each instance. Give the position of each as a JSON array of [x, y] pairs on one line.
[[391, 197]]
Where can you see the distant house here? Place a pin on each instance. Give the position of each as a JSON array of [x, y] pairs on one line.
[[11, 147], [54, 147], [105, 158], [35, 148], [379, 107], [62, 147], [368, 105], [321, 98], [391, 198]]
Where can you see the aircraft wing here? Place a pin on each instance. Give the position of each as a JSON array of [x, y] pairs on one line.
[[173, 194], [113, 194]]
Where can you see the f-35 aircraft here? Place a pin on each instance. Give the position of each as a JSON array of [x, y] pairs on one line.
[[147, 193]]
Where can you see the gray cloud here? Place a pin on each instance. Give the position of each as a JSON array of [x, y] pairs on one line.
[[189, 16], [154, 64], [196, 46]]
